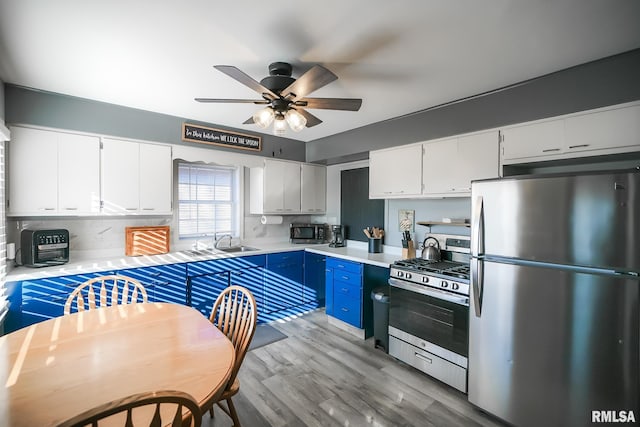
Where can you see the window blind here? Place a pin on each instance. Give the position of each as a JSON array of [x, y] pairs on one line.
[[207, 200]]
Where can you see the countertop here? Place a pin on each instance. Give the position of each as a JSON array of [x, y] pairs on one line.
[[79, 264]]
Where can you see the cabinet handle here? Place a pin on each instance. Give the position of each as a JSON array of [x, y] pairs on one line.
[[344, 309], [71, 209], [345, 278], [131, 209], [425, 358], [148, 209], [548, 150], [344, 289], [578, 146], [48, 209]]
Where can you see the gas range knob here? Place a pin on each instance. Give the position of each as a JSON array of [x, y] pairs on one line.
[[407, 275], [400, 274], [444, 284], [425, 279], [455, 286]]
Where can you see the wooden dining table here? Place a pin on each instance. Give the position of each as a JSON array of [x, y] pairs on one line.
[[56, 369]]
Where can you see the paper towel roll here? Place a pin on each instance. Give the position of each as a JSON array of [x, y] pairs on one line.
[[276, 219], [11, 251]]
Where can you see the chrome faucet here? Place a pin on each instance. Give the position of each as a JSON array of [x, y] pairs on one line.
[[219, 239]]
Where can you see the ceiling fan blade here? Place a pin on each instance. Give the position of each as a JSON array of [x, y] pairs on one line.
[[311, 119], [314, 79], [245, 79], [249, 121], [237, 101], [345, 104]]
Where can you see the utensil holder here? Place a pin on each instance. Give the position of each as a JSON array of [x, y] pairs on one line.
[[375, 245], [410, 251]]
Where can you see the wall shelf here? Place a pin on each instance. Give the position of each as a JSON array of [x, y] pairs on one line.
[[432, 223]]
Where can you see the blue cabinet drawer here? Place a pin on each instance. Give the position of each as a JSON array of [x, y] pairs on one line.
[[353, 279], [285, 258], [345, 289], [343, 265], [348, 310]]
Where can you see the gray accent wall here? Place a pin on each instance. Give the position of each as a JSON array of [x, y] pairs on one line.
[[41, 108], [608, 81], [1, 100]]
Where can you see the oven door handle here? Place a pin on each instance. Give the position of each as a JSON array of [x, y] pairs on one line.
[[435, 293]]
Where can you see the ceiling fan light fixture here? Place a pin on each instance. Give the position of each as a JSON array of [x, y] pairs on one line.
[[296, 121], [264, 117], [279, 126]]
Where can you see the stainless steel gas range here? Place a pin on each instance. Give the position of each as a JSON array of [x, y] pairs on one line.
[[429, 313]]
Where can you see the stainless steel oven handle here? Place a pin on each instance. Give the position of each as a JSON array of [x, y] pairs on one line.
[[435, 293]]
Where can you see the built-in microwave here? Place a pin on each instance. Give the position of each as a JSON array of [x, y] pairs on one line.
[[308, 233], [41, 248]]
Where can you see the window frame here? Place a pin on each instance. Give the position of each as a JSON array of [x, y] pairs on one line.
[[236, 200]]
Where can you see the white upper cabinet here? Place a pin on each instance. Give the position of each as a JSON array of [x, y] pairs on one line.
[[136, 178], [275, 188], [609, 130], [395, 172], [314, 188], [53, 173], [533, 140], [451, 164]]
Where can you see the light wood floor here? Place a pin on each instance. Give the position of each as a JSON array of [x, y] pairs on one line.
[[322, 376]]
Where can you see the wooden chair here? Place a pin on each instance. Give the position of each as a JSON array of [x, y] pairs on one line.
[[133, 407], [108, 292], [235, 314]]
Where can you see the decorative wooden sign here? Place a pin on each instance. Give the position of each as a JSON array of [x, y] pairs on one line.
[[206, 135]]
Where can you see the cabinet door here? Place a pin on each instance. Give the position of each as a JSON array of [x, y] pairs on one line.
[[441, 166], [291, 187], [479, 159], [120, 176], [155, 179], [78, 174], [273, 186], [615, 128], [252, 279], [314, 189], [44, 299], [328, 280], [204, 290], [534, 140], [314, 278], [395, 172], [33, 172], [283, 280]]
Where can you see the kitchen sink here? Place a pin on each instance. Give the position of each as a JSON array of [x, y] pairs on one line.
[[234, 249]]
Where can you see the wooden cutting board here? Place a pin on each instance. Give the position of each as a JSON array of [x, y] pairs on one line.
[[147, 240]]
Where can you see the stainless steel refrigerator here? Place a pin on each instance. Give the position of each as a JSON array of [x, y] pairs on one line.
[[554, 323]]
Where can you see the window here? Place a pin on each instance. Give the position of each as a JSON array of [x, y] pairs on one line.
[[207, 200]]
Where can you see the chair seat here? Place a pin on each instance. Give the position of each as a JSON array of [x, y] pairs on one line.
[[231, 391]]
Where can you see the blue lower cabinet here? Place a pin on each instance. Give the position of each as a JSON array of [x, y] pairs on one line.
[[44, 299], [284, 280], [314, 278], [163, 283], [328, 277], [345, 284], [204, 290]]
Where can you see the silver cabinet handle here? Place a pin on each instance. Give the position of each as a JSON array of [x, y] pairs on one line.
[[424, 358], [578, 146], [549, 150]]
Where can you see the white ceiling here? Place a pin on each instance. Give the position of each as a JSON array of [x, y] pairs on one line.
[[399, 57]]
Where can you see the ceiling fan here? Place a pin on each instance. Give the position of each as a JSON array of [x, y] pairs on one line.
[[285, 96]]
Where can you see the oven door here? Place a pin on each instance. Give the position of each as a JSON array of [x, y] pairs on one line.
[[438, 317]]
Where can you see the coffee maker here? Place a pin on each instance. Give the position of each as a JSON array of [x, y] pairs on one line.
[[337, 236]]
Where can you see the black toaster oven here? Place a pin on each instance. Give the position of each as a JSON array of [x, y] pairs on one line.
[[42, 248]]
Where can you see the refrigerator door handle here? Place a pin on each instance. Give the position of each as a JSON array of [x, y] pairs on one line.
[[477, 237], [477, 284]]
